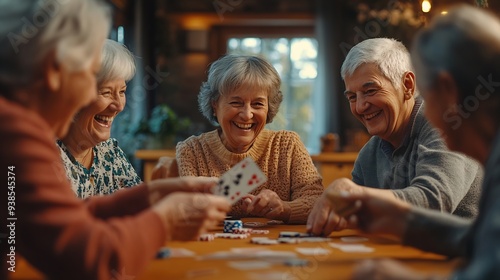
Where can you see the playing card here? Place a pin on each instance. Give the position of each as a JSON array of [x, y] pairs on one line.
[[241, 179], [362, 249], [247, 250], [195, 273], [352, 248], [294, 234], [272, 275], [249, 265], [167, 252], [353, 239], [313, 251]]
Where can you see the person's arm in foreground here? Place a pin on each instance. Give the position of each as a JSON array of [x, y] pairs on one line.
[[323, 220], [59, 234], [425, 229]]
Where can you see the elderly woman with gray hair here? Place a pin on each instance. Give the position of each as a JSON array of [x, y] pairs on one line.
[[94, 163], [242, 95]]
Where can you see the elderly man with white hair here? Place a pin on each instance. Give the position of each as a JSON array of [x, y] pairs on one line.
[[406, 158]]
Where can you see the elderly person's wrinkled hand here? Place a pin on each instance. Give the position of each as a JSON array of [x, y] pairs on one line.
[[323, 219], [372, 212], [266, 204], [187, 215]]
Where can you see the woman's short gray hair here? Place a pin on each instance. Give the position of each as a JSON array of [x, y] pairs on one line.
[[117, 62], [31, 30], [232, 72], [390, 56]]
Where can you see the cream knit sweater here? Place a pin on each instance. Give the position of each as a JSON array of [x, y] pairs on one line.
[[281, 156]]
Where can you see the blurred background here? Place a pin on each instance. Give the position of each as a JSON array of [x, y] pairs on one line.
[[306, 41]]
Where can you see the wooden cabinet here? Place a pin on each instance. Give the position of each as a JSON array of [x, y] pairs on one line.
[[332, 166]]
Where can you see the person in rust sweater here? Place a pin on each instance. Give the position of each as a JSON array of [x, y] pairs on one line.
[[47, 74]]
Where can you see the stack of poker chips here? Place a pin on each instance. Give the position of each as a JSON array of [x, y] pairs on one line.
[[233, 229], [230, 225]]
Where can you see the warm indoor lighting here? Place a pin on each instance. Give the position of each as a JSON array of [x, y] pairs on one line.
[[426, 6], [444, 12]]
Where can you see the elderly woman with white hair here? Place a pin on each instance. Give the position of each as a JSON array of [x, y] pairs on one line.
[[94, 162], [47, 75], [406, 158]]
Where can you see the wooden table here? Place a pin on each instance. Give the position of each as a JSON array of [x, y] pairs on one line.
[[335, 265]]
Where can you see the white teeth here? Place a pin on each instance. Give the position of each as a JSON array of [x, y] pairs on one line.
[[243, 125], [367, 117], [104, 118]]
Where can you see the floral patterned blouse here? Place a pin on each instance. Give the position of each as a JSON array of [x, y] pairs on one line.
[[109, 172]]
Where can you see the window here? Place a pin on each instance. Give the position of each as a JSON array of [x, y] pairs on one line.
[[295, 59]]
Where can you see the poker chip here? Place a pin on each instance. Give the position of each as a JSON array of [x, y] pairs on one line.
[[231, 235], [294, 234], [288, 240], [353, 239], [289, 234], [263, 241], [229, 225], [296, 262], [163, 253], [260, 231], [206, 237], [242, 230]]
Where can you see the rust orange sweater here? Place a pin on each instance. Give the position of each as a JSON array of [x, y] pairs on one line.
[[62, 236]]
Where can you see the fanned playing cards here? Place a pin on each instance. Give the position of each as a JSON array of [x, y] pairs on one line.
[[241, 179]]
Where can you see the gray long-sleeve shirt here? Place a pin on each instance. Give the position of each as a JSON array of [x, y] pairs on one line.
[[422, 171], [478, 241]]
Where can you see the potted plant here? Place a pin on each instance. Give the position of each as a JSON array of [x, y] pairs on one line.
[[162, 128]]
